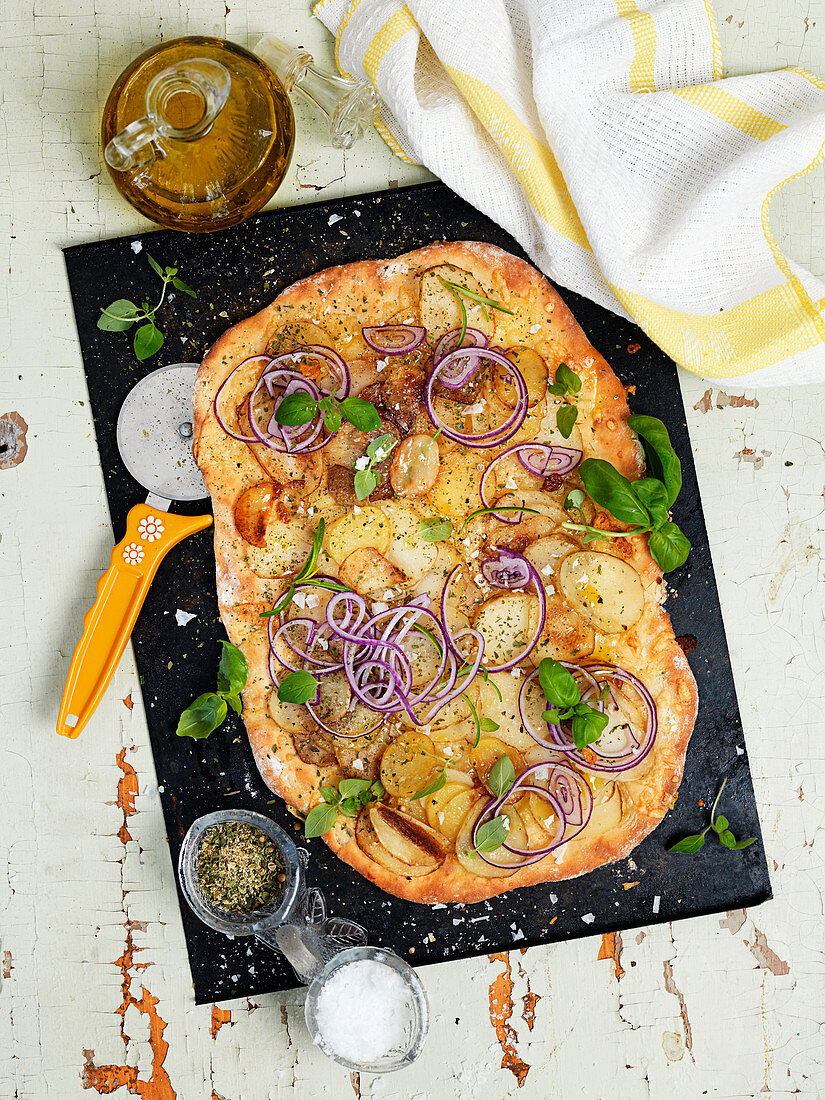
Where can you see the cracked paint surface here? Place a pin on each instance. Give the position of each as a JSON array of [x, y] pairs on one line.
[[501, 1011]]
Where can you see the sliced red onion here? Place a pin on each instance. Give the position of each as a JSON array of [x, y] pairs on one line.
[[543, 459], [338, 364], [473, 337], [394, 339], [254, 359], [449, 366]]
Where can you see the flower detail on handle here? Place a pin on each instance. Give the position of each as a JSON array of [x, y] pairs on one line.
[[150, 528], [133, 553]]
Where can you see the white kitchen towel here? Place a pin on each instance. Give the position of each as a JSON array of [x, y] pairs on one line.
[[601, 135]]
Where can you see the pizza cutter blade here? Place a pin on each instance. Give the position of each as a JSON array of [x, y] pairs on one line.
[[154, 437]]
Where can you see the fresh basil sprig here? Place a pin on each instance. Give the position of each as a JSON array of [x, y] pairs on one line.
[[435, 529], [587, 724], [122, 314], [298, 688], [483, 724], [208, 711], [366, 478], [566, 384], [492, 834], [300, 408], [720, 825], [643, 503]]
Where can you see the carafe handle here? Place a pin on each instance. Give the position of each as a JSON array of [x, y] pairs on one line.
[[138, 144]]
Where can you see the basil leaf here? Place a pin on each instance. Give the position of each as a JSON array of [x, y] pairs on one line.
[[233, 701], [487, 725], [232, 670], [721, 823], [727, 838], [296, 409], [361, 414], [377, 789], [179, 284], [668, 546], [364, 482], [492, 834], [320, 820], [689, 844], [148, 341], [119, 316], [431, 788], [502, 776], [350, 807], [558, 685], [155, 266], [662, 460], [329, 794], [745, 843], [612, 491], [349, 787], [568, 378], [574, 499], [587, 726], [380, 448], [298, 687], [332, 420], [202, 716], [653, 496], [435, 529], [566, 418]]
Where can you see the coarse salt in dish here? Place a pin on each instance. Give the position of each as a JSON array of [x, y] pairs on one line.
[[364, 1012]]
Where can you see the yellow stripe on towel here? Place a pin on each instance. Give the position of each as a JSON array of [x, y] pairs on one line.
[[732, 110]]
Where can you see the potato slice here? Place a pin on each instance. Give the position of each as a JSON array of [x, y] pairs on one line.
[[407, 551], [415, 466], [251, 512], [546, 553], [407, 839], [370, 845], [435, 803], [286, 550], [360, 757], [289, 716], [566, 636], [487, 754], [607, 590], [409, 764], [366, 525], [472, 862], [455, 492], [533, 370], [369, 574], [505, 622], [441, 313], [451, 815]]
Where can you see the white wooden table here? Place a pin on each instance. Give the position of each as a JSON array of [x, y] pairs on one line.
[[96, 995]]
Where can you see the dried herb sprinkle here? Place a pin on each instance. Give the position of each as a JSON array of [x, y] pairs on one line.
[[239, 867]]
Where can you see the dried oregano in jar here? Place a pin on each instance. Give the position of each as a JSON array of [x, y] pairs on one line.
[[239, 867]]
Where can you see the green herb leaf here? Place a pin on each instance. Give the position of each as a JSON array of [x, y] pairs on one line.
[[613, 491], [431, 788], [435, 529], [574, 499], [568, 378], [332, 420], [502, 776], [308, 568], [361, 414], [377, 790], [233, 701], [179, 284], [492, 834], [298, 687], [653, 496], [587, 726], [457, 288], [662, 461], [202, 716], [349, 787], [720, 824], [490, 511], [364, 483], [668, 546], [745, 843], [350, 807], [487, 725], [558, 684], [296, 409], [689, 843], [565, 419], [329, 794], [320, 820], [232, 670], [727, 838], [119, 316], [148, 341], [155, 266]]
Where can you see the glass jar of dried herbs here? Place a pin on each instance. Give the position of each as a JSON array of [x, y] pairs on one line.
[[239, 868]]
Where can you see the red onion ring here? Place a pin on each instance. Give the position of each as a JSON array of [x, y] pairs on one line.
[[394, 339], [512, 571], [556, 460], [264, 359], [497, 435], [449, 342]]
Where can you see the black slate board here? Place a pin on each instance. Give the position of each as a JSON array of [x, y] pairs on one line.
[[238, 272]]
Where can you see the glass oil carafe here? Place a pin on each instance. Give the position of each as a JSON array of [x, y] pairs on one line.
[[198, 133]]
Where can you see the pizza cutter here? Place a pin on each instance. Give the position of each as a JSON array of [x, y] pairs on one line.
[[154, 437]]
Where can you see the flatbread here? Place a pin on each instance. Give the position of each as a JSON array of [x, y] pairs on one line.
[[329, 309]]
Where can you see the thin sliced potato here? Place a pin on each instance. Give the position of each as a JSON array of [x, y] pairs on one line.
[[505, 624], [365, 525], [455, 492], [370, 845], [415, 466], [251, 512], [607, 590], [407, 839], [441, 313], [409, 764], [286, 550], [368, 573], [435, 803], [533, 370], [451, 815], [407, 551]]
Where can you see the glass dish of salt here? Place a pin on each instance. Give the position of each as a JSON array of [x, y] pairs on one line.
[[367, 1010]]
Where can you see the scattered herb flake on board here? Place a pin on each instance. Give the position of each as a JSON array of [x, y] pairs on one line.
[[239, 868]]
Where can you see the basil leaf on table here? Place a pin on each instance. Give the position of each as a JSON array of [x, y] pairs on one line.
[[689, 844], [202, 716], [232, 670], [119, 316], [653, 496], [148, 340], [662, 461]]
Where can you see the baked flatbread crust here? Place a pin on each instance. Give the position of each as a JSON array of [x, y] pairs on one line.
[[330, 308]]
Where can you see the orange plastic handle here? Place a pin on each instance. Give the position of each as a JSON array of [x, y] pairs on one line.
[[120, 594]]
